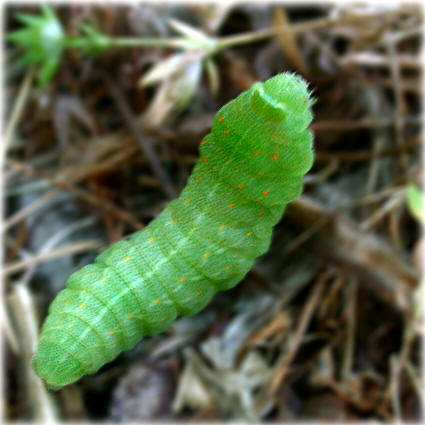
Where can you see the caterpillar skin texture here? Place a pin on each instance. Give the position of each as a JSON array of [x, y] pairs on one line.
[[251, 165]]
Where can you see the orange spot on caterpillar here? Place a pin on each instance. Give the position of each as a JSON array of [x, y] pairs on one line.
[[111, 332], [182, 279], [256, 153], [239, 186], [126, 258], [225, 131], [230, 206], [164, 318], [260, 213], [249, 233], [205, 255], [221, 118], [198, 178], [228, 267], [202, 143], [151, 239], [156, 301], [205, 159], [266, 192], [222, 227], [275, 156], [198, 293]]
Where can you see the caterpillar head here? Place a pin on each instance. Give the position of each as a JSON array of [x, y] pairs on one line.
[[280, 98]]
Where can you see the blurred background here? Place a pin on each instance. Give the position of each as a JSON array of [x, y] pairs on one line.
[[104, 109]]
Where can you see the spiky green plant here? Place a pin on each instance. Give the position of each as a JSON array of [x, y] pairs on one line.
[[43, 41]]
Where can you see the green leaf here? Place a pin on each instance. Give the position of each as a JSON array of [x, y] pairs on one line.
[[29, 20], [415, 202], [18, 36], [47, 72]]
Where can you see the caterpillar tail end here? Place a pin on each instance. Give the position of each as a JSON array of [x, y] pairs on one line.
[[55, 366]]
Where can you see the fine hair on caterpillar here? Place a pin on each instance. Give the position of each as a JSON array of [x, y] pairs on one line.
[[251, 166]]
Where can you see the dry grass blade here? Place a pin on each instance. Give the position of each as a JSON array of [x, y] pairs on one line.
[[164, 69], [18, 107], [363, 255], [29, 209], [296, 338], [313, 25], [378, 60], [22, 308], [360, 155], [288, 41], [47, 256], [142, 139], [63, 183]]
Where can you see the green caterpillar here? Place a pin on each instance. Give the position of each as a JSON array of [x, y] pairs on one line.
[[252, 164]]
